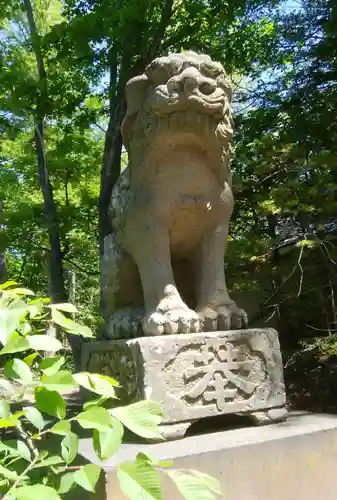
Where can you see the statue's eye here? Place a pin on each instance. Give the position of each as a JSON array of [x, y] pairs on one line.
[[158, 73], [211, 69], [174, 68]]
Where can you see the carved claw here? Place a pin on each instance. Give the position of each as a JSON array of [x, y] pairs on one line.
[[177, 320], [222, 317]]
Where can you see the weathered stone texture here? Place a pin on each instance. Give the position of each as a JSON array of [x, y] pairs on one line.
[[198, 375], [162, 270]]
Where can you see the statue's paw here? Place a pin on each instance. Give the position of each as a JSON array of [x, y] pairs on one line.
[[222, 317], [175, 320]]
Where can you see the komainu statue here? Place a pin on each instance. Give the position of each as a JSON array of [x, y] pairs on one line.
[[162, 271]]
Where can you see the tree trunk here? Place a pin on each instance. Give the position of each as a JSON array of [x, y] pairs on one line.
[[56, 274], [111, 169], [111, 166], [57, 287]]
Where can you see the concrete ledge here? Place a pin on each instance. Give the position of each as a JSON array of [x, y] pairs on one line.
[[288, 461]]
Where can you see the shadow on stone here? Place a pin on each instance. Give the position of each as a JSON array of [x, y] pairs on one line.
[[218, 423]]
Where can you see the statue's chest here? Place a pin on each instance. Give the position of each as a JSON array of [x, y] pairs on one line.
[[191, 180]]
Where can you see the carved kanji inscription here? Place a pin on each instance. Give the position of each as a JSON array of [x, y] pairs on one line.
[[219, 372]]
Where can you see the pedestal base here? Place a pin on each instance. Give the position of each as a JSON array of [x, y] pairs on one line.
[[197, 375], [269, 416], [171, 432], [293, 460]]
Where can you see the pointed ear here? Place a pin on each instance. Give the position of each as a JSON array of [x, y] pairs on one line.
[[134, 93]]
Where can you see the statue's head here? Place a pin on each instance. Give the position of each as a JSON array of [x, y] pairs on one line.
[[185, 92]]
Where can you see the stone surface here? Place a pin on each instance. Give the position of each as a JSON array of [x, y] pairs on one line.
[[287, 461], [197, 375], [162, 270]]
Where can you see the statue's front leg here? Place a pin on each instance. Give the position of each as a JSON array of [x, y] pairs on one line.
[[214, 306], [165, 310]]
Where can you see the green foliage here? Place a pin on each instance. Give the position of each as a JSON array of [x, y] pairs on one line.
[[73, 151], [285, 177], [140, 478], [89, 51], [30, 467]]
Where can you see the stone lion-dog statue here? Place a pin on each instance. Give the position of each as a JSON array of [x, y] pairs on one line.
[[162, 270]]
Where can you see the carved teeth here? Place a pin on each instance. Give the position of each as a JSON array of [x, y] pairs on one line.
[[205, 123]]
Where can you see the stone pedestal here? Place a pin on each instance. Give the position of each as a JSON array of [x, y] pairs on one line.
[[197, 375]]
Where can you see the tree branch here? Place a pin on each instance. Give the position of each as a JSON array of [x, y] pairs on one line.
[[80, 268], [98, 126], [160, 30]]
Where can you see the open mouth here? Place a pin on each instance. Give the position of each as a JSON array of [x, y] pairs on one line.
[[171, 102], [215, 103]]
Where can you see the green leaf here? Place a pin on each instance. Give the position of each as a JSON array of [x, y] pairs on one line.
[[16, 344], [308, 243], [7, 284], [50, 366], [95, 418], [67, 482], [4, 409], [100, 384], [142, 418], [9, 474], [70, 326], [10, 318], [209, 481], [94, 402], [10, 450], [59, 469], [44, 343], [50, 402], [107, 443], [69, 447], [35, 307], [87, 476], [25, 328], [36, 492], [9, 422], [17, 448], [60, 319], [34, 417], [59, 381], [62, 428], [43, 454], [22, 291], [18, 370], [82, 330], [23, 450], [12, 421], [158, 463], [47, 462], [70, 308], [139, 480], [29, 360], [195, 485]]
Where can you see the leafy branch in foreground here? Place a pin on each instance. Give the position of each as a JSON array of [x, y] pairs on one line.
[[42, 462]]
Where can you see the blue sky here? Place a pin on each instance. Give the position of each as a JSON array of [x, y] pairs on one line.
[[290, 5]]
